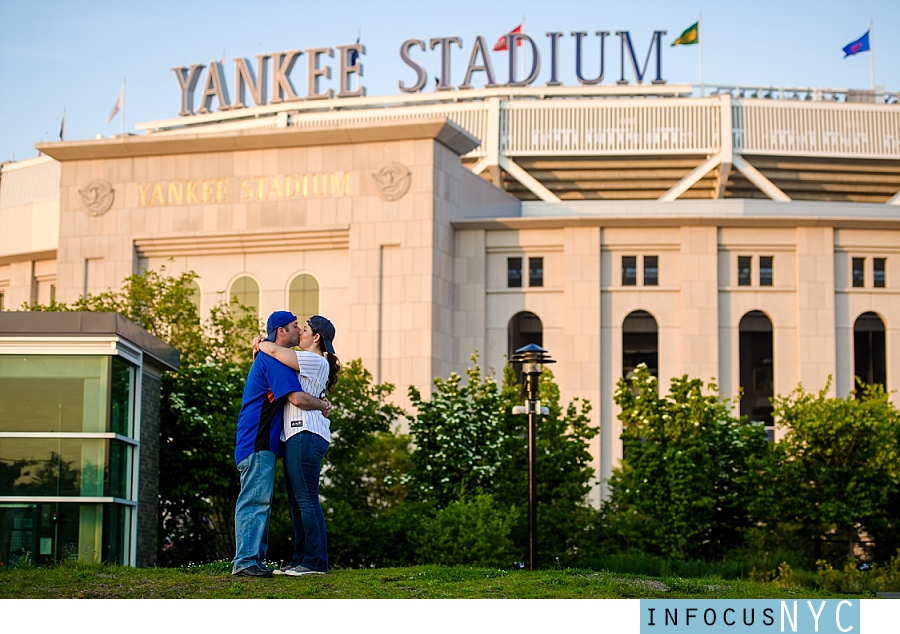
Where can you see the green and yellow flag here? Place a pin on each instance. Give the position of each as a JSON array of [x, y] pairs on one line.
[[691, 35]]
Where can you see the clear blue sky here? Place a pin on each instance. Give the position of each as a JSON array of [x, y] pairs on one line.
[[74, 54]]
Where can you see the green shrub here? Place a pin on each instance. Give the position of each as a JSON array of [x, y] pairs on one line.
[[470, 532], [686, 479], [887, 578]]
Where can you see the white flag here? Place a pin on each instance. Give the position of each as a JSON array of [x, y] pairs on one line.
[[120, 101]]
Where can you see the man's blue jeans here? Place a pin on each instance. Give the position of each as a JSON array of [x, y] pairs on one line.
[[303, 454], [251, 513]]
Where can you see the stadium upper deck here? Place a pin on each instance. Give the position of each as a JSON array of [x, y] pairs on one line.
[[657, 142]]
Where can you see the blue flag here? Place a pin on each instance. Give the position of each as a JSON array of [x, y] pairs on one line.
[[857, 46], [353, 55]]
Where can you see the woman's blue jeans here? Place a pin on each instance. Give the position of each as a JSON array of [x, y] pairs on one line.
[[303, 454]]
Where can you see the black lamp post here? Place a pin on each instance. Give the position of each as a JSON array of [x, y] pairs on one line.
[[532, 357]]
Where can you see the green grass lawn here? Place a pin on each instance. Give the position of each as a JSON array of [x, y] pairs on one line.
[[214, 581]]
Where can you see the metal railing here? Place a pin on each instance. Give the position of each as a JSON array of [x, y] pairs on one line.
[[614, 120], [801, 93], [599, 127], [816, 129]]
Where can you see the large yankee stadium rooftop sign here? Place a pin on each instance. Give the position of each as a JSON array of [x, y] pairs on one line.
[[255, 84]]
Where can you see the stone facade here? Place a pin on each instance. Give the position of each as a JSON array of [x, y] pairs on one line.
[[417, 283], [148, 485]]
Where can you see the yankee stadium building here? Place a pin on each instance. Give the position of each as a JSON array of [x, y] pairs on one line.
[[749, 234]]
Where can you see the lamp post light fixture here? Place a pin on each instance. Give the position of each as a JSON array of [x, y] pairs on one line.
[[533, 358]]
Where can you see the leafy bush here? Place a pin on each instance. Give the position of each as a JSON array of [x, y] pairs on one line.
[[684, 486], [198, 481], [834, 474], [468, 443], [468, 532], [460, 436]]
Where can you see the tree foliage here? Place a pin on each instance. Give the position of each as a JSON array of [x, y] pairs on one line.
[[836, 471], [469, 444], [460, 436], [163, 305], [199, 408], [685, 483], [357, 467], [471, 531], [198, 482]]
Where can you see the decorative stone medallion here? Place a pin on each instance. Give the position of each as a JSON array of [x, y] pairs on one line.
[[97, 196], [393, 181]]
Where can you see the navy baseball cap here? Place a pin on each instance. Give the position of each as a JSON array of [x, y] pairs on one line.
[[278, 319], [325, 329]]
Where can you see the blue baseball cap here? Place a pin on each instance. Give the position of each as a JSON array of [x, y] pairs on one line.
[[278, 319]]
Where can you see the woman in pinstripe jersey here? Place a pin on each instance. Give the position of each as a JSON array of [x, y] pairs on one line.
[[307, 435]]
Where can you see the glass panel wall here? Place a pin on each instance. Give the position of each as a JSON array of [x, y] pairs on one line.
[[121, 401], [84, 467], [54, 394], [65, 396], [45, 533]]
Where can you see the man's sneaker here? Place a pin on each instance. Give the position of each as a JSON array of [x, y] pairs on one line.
[[281, 570], [297, 571], [253, 571]]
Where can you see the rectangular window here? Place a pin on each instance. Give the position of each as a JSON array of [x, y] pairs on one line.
[[1, 300], [120, 406], [61, 467], [53, 532], [744, 270], [43, 393], [859, 272], [765, 270], [514, 272], [535, 271], [651, 270], [878, 271], [629, 270]]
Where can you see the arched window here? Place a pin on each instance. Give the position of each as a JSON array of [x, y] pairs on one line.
[[757, 369], [640, 343], [195, 294], [303, 297], [868, 350], [524, 328], [246, 291]]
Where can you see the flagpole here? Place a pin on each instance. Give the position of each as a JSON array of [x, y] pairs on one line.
[[871, 58], [700, 49], [522, 47], [122, 122]]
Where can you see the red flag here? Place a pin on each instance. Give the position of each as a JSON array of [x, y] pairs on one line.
[[503, 44], [120, 101]]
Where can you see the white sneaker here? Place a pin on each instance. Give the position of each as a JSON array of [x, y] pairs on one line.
[[297, 571]]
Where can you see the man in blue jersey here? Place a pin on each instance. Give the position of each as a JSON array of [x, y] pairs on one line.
[[258, 444]]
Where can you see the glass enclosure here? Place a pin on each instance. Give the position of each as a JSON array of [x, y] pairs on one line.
[[46, 533], [67, 430]]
